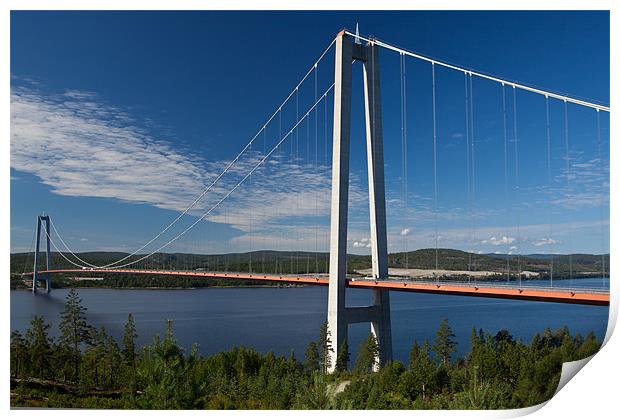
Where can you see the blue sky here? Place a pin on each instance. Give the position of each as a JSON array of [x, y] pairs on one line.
[[120, 119]]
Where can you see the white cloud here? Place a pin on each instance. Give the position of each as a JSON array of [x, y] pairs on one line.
[[405, 232], [504, 240], [545, 241]]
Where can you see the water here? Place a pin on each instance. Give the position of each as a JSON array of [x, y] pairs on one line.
[[286, 319]]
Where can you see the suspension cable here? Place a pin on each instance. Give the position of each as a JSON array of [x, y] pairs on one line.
[[48, 236], [290, 132], [226, 169], [482, 75], [30, 248]]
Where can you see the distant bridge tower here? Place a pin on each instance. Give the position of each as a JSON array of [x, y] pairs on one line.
[[48, 262], [338, 315]]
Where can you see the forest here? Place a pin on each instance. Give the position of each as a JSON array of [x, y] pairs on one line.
[[85, 367]]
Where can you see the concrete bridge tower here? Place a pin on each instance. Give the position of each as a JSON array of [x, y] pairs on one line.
[[378, 314], [48, 260]]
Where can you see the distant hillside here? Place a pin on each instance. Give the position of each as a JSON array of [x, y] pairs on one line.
[[292, 262]]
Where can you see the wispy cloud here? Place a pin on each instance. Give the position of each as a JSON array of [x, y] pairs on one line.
[[504, 240], [80, 146], [545, 241], [361, 243]]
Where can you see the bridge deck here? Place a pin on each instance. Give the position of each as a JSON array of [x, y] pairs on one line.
[[488, 290]]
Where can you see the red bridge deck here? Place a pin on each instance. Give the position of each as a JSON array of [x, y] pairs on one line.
[[488, 290]]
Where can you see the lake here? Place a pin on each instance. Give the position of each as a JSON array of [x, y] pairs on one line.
[[286, 319]]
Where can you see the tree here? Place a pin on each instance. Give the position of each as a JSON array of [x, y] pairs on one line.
[[161, 372], [342, 360], [317, 396], [129, 348], [419, 377], [112, 360], [367, 355], [39, 345], [311, 362], [74, 330], [94, 357], [19, 354], [444, 344]]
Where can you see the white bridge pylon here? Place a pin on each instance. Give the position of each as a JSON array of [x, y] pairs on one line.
[[378, 314]]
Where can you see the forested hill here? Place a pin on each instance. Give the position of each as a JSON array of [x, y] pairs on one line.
[[310, 262]]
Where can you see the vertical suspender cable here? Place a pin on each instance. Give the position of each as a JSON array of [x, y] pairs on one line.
[[467, 149], [549, 189], [473, 162], [506, 181], [568, 193], [405, 174], [602, 203], [316, 159], [315, 206], [265, 216], [406, 166], [435, 170], [279, 234], [251, 215], [294, 151], [516, 140]]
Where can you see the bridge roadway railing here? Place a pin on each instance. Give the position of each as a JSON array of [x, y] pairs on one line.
[[493, 284]]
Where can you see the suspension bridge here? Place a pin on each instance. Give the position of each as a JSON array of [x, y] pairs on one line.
[[286, 165]]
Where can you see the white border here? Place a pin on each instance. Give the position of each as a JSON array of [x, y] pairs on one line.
[[593, 394]]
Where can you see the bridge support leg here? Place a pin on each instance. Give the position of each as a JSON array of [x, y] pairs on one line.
[[338, 315], [48, 261]]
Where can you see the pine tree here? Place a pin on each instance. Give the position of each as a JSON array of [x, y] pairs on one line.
[[74, 330], [311, 362], [39, 345], [93, 360], [129, 343], [367, 355], [421, 369], [342, 361], [112, 360], [444, 344], [19, 354]]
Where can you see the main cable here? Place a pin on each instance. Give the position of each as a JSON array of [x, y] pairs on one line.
[[482, 75], [226, 169], [237, 185]]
